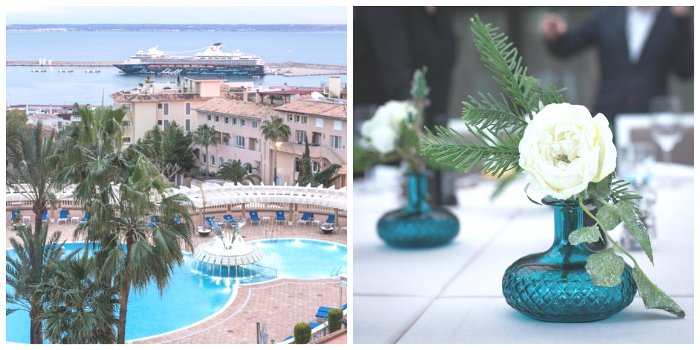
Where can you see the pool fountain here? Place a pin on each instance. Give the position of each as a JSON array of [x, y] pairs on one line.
[[228, 255]]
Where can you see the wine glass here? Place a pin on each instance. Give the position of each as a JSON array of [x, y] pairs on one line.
[[666, 128]]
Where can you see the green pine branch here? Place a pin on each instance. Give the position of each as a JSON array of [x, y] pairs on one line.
[[501, 57], [490, 153], [490, 114]]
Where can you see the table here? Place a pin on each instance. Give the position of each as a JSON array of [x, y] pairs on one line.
[[452, 294], [75, 219]]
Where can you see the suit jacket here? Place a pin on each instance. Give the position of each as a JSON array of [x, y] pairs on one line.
[[627, 87]]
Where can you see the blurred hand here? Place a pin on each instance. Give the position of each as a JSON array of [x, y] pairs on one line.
[[552, 26], [680, 11]]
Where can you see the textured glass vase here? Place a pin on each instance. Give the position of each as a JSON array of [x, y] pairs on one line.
[[554, 286], [418, 224]]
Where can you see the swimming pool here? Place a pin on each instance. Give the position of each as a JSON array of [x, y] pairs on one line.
[[192, 297]]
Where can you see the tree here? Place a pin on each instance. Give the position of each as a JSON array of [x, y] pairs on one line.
[[15, 121], [205, 135], [305, 173], [275, 130], [238, 172], [33, 171], [30, 267], [327, 176], [170, 149], [78, 308], [122, 189]]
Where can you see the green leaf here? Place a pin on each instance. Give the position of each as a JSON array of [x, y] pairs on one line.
[[588, 234], [629, 215], [608, 217], [408, 136], [653, 296], [605, 268], [600, 190]]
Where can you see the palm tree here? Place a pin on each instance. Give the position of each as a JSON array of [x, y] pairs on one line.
[[33, 171], [79, 309], [238, 172], [205, 135], [275, 130], [31, 266], [122, 188]]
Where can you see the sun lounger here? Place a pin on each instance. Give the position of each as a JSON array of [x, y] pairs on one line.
[[63, 216]]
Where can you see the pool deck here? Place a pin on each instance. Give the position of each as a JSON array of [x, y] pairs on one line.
[[278, 304]]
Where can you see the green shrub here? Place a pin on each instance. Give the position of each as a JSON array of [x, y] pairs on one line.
[[334, 317], [302, 333]]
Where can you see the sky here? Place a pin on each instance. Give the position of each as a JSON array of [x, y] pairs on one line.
[[175, 15]]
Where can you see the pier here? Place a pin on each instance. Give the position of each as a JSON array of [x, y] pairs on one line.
[[287, 69]]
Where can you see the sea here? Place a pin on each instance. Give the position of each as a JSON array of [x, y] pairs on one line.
[[54, 87]]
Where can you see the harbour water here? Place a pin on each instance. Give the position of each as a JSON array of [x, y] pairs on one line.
[[54, 87]]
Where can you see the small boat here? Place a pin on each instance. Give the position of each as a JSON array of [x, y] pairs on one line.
[[39, 70], [92, 71], [65, 71]]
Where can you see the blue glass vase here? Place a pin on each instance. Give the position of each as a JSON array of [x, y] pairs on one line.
[[554, 286], [418, 224]]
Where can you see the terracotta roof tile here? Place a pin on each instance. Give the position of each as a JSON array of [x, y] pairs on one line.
[[312, 107], [235, 107]]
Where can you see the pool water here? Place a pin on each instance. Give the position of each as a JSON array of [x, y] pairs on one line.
[[191, 297]]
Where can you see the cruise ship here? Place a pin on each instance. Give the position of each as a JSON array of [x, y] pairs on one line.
[[211, 61]]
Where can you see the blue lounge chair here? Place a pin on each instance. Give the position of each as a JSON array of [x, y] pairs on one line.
[[288, 337], [254, 217], [45, 215], [177, 219], [322, 311], [211, 221], [330, 219], [279, 216], [313, 325], [15, 213], [305, 218], [64, 215], [86, 217], [153, 221], [230, 220]]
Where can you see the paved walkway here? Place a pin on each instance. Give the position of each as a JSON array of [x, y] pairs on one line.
[[278, 304]]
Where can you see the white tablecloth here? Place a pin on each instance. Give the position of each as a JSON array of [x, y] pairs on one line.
[[452, 294]]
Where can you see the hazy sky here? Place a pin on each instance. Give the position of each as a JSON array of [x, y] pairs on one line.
[[175, 15]]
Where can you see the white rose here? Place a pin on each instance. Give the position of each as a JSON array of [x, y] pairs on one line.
[[564, 149], [382, 131]]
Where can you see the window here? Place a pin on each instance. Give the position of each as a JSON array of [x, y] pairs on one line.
[[204, 157], [316, 138], [337, 125], [301, 136], [188, 108], [297, 163], [212, 160], [187, 125], [126, 140], [240, 142], [160, 106], [315, 167], [126, 106], [243, 123], [216, 118], [160, 122], [226, 120], [255, 124], [208, 117], [166, 109], [304, 119], [253, 144], [300, 119], [319, 122], [336, 142], [234, 121], [166, 123], [221, 161], [290, 117]]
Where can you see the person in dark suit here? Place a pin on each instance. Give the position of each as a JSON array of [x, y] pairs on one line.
[[638, 48], [389, 44]]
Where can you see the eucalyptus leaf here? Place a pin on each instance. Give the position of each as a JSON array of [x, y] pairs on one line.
[[608, 217], [653, 296], [628, 213], [605, 268], [588, 234]]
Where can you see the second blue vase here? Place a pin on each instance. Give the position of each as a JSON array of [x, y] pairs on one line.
[[418, 224]]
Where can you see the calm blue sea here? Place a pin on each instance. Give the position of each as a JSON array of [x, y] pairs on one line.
[[52, 87]]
